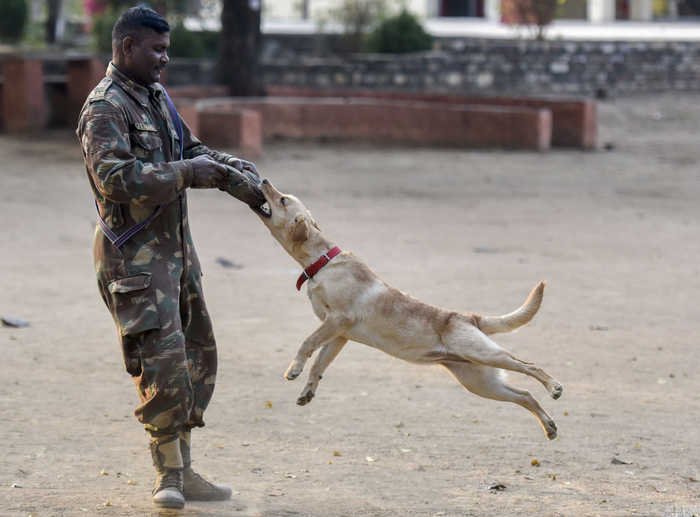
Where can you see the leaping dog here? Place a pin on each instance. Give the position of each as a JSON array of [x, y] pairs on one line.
[[353, 303]]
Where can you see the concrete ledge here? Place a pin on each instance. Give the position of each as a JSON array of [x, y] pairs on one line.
[[83, 75], [23, 96], [195, 92], [187, 108], [404, 122], [227, 126], [574, 121], [233, 127]]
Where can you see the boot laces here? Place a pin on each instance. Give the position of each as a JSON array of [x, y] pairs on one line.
[[171, 478], [196, 478]]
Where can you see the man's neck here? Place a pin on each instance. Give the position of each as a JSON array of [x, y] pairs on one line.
[[126, 71]]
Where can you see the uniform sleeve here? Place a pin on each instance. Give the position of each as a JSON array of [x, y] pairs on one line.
[[117, 173]]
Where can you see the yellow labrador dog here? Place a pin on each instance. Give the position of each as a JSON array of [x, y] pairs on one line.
[[354, 304]]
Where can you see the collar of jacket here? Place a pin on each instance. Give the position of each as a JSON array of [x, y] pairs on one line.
[[139, 92]]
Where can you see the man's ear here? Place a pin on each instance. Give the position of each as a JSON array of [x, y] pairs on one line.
[[300, 231], [127, 46]]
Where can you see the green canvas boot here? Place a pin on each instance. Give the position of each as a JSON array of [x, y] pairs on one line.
[[196, 488], [167, 459]]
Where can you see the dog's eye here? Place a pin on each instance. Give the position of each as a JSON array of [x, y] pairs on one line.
[[283, 201]]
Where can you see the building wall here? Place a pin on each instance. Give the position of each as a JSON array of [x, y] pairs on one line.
[[595, 11], [319, 10]]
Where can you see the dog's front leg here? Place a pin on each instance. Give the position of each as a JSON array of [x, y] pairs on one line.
[[331, 328], [325, 357]]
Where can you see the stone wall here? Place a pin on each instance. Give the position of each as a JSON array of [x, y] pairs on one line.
[[457, 66], [508, 67], [470, 66]]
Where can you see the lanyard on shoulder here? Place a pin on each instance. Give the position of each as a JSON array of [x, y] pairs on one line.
[[120, 240], [175, 116]]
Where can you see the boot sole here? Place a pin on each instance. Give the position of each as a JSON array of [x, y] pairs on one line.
[[171, 505], [207, 498]]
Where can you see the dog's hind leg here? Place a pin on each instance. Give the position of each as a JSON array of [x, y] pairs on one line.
[[327, 354], [469, 343], [331, 328], [490, 383]]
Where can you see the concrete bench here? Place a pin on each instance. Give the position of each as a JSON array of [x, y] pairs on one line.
[[574, 120], [372, 120], [231, 127], [31, 97]]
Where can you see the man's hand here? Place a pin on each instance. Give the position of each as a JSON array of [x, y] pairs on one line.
[[244, 185], [240, 165], [207, 172]]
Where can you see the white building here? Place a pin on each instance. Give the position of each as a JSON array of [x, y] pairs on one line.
[[595, 11], [630, 20]]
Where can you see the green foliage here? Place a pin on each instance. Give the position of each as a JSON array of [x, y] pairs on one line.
[[356, 18], [162, 6], [183, 42], [102, 30], [13, 18], [193, 44], [400, 34]]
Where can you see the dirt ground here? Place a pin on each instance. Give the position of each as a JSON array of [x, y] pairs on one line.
[[615, 234]]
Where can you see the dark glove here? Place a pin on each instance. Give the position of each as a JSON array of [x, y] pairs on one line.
[[244, 185], [240, 165]]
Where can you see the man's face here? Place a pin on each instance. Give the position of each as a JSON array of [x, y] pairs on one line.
[[147, 56]]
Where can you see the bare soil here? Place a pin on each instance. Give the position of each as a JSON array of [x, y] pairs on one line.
[[616, 235]]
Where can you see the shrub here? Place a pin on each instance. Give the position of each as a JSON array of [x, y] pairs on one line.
[[194, 44], [400, 34], [183, 42], [102, 30], [356, 17], [13, 18]]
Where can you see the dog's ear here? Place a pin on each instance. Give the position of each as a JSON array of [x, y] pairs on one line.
[[300, 231]]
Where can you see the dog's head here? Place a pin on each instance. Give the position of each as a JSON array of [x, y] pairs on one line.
[[289, 221]]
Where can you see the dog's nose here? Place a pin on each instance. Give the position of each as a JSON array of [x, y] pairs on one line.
[[265, 182]]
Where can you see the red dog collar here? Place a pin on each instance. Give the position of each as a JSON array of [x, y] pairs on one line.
[[314, 268]]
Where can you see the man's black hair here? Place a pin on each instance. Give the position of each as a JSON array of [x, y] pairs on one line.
[[134, 20]]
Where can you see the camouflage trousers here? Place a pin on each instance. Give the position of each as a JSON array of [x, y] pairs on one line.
[[168, 345]]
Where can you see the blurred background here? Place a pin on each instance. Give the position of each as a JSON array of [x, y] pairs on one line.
[[485, 47]]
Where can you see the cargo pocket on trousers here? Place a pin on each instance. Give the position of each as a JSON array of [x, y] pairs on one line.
[[134, 304]]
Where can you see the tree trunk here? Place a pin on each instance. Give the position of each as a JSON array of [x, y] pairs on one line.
[[54, 12], [240, 46]]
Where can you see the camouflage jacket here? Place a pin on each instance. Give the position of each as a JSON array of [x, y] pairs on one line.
[[131, 149]]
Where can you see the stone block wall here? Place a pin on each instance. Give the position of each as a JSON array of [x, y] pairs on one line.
[[477, 67], [503, 67]]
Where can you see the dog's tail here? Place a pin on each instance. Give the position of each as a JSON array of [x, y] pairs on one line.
[[515, 319]]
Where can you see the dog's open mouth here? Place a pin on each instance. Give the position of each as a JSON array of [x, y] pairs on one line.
[[264, 210]]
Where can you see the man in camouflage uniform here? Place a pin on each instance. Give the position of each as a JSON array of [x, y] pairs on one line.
[[140, 159]]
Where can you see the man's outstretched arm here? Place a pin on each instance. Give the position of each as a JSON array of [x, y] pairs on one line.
[[123, 178]]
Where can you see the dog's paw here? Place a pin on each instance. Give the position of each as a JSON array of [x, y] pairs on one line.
[[556, 390], [305, 398], [293, 371], [550, 429]]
